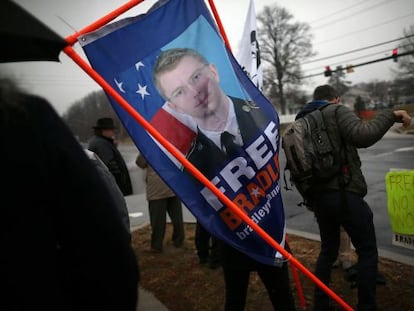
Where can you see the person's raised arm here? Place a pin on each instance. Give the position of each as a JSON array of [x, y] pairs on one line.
[[403, 117]]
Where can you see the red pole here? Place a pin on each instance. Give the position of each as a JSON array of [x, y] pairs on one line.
[[297, 281], [298, 286], [219, 24], [103, 20]]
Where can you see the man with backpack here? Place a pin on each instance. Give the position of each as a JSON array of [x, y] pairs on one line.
[[339, 200]]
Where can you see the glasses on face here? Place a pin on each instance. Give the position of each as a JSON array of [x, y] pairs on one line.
[[181, 93]]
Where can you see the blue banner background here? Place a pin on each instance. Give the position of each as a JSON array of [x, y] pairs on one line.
[[125, 58]]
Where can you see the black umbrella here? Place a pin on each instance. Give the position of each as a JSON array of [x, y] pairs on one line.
[[25, 38]]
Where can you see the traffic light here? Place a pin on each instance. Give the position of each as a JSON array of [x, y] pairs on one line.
[[395, 55], [328, 71], [349, 68]]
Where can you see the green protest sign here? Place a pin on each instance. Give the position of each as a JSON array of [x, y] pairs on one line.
[[400, 193]]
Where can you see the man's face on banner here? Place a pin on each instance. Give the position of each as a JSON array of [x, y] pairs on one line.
[[192, 87]]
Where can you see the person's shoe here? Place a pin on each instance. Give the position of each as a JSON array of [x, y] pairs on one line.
[[351, 275], [327, 308], [381, 279], [335, 264], [155, 251], [202, 261], [178, 244], [214, 265]]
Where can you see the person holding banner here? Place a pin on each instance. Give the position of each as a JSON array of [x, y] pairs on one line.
[[339, 201], [190, 85]]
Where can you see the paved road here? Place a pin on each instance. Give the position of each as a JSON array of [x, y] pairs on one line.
[[393, 151]]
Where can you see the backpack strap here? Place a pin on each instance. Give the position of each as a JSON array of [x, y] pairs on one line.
[[343, 157]]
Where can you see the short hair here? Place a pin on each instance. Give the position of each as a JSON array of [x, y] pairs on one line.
[[325, 92], [169, 59]]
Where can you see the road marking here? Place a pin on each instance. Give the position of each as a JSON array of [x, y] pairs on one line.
[[136, 215], [392, 169], [396, 150], [405, 149]]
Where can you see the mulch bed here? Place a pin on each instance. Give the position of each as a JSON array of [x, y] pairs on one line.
[[179, 282]]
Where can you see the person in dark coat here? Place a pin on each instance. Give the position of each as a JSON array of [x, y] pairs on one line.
[[103, 144], [339, 201], [63, 244], [116, 193]]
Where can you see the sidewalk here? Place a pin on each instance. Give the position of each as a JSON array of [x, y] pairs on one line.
[[148, 302]]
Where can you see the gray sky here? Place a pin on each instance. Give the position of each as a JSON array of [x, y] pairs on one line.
[[337, 27]]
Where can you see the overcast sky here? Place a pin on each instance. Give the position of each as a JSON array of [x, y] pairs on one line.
[[337, 26]]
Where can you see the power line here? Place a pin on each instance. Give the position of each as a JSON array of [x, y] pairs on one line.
[[363, 64], [356, 13], [337, 12], [368, 28], [357, 50], [349, 61]]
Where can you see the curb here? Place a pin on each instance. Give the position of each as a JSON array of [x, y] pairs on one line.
[[407, 260]]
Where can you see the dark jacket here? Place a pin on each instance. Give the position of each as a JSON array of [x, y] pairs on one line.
[[348, 133], [107, 151], [63, 245], [116, 193]]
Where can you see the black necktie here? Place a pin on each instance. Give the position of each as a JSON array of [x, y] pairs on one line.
[[228, 144]]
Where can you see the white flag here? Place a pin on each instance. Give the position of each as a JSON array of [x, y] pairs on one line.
[[248, 54]]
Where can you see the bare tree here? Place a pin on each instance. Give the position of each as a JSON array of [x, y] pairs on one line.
[[404, 77], [284, 44], [406, 63], [82, 115]]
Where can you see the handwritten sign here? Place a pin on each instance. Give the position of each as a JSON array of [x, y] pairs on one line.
[[400, 194]]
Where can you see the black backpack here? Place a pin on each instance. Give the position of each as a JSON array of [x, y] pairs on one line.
[[310, 156]]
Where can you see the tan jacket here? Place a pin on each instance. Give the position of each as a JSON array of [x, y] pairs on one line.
[[156, 188]]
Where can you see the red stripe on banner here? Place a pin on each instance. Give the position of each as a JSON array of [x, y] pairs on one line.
[[173, 130]]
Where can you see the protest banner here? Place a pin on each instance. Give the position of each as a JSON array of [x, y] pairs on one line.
[[400, 197], [125, 53]]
